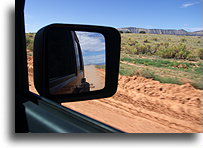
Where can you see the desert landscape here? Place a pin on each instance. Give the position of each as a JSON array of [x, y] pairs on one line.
[[159, 88], [143, 105]]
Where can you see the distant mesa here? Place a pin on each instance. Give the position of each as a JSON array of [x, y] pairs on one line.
[[160, 31]]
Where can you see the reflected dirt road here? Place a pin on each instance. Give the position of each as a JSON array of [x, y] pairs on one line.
[[94, 77]]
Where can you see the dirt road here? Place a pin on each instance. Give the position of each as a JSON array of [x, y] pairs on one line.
[[145, 106], [94, 77]]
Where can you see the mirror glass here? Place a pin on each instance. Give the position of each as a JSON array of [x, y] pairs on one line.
[[76, 61]]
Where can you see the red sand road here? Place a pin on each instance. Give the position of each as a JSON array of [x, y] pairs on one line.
[[144, 106], [94, 77]]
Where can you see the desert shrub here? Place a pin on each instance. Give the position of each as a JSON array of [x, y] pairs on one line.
[[147, 74], [155, 39], [126, 70], [192, 57], [165, 44], [29, 41], [128, 49], [132, 50], [182, 52], [171, 80], [142, 49], [166, 53], [100, 66], [154, 49], [183, 40], [29, 44], [177, 52], [142, 32], [200, 53], [132, 42], [146, 41]]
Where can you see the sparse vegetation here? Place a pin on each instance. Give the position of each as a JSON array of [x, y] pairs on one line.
[[163, 75], [165, 58], [100, 66], [161, 63], [200, 53], [165, 46], [29, 41]]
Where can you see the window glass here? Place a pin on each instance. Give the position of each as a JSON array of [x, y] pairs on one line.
[[160, 78]]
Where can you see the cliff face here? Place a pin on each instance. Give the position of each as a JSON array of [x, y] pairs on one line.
[[161, 31], [198, 33]]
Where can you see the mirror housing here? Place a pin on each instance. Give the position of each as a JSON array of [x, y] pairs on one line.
[[40, 53]]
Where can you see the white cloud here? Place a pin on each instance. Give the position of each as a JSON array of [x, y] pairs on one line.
[[193, 29], [95, 59], [188, 4], [93, 47], [91, 41]]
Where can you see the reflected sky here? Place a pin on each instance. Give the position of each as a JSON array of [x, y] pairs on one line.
[[93, 47]]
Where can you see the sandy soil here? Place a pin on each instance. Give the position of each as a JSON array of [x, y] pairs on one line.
[[145, 106], [94, 77]]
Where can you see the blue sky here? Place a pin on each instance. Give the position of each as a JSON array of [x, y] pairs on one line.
[[162, 14], [93, 47]]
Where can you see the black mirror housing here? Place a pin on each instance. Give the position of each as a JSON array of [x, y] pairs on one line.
[[112, 45]]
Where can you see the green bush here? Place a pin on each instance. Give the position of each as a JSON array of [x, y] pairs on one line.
[[142, 32], [132, 50], [142, 49], [155, 39], [192, 57], [177, 52], [146, 41], [200, 53], [147, 74], [183, 40], [182, 52], [132, 42], [165, 44], [166, 53], [30, 41]]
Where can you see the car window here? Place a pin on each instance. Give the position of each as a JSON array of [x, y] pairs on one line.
[[160, 77]]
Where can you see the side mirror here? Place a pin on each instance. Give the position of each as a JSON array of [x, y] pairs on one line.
[[76, 62]]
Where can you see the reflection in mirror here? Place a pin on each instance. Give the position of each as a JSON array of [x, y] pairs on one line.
[[76, 61]]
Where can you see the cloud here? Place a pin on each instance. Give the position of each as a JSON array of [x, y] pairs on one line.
[[92, 46], [188, 4], [91, 41], [193, 29], [95, 59]]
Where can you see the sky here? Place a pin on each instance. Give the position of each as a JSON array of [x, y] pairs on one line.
[[92, 46], [158, 14]]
